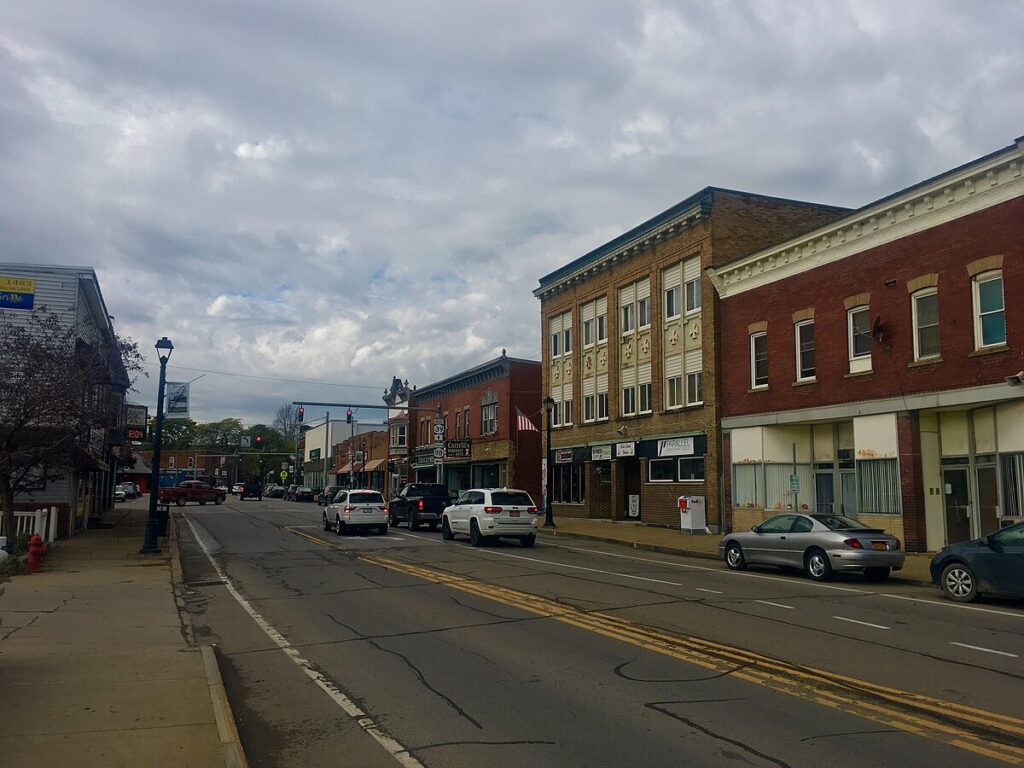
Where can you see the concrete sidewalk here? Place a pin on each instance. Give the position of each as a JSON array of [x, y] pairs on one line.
[[674, 542], [96, 667]]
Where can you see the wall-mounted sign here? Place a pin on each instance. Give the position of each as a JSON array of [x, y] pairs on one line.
[[625, 449], [563, 456], [458, 449], [17, 292], [676, 446], [601, 453], [314, 454], [136, 415]]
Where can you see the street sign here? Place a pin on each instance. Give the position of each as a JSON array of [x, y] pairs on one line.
[[245, 441], [794, 483], [439, 453]]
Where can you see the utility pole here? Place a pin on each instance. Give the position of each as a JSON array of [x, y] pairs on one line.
[[327, 441]]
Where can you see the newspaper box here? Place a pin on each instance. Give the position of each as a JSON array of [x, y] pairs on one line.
[[692, 517]]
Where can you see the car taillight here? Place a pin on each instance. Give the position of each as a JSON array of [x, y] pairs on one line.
[[853, 544], [383, 509], [348, 508], [492, 510], [533, 510], [420, 505]]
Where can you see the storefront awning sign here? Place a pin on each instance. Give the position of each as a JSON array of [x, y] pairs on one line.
[[563, 456], [601, 453], [676, 446], [625, 449]]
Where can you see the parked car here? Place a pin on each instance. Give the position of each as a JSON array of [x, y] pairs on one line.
[[130, 490], [252, 489], [119, 494], [302, 493], [419, 503], [191, 490], [819, 544], [236, 488], [485, 514], [274, 491], [325, 496], [351, 510], [991, 565], [224, 489]]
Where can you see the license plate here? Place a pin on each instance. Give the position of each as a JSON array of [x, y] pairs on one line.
[[879, 545], [514, 513]]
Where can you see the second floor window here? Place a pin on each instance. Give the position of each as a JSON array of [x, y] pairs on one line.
[[926, 323], [458, 423], [489, 419], [398, 435], [805, 368], [627, 319], [588, 333], [758, 360], [629, 401], [989, 312], [672, 305], [859, 332]]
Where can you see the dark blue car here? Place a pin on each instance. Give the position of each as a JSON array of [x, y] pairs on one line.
[[993, 565]]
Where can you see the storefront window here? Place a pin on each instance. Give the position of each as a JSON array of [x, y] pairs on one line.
[[567, 484]]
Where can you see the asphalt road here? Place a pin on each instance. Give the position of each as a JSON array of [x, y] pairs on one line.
[[371, 650]]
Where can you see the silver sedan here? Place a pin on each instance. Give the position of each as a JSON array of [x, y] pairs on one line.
[[819, 544]]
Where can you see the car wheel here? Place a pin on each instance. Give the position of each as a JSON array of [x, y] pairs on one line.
[[327, 523], [528, 541], [391, 520], [413, 522], [180, 501], [446, 531], [879, 573], [734, 557], [219, 500], [817, 565], [382, 530], [340, 528], [259, 498], [958, 583], [476, 538], [241, 497]]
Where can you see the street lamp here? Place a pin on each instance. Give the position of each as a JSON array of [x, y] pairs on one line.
[[549, 521], [164, 347]]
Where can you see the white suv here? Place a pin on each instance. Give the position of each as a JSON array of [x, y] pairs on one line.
[[488, 513], [356, 509]]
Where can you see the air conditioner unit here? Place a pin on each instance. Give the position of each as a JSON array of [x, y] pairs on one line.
[[1005, 521]]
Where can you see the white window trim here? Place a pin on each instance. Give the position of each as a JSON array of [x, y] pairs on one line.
[[984, 277], [601, 326], [698, 307], [686, 393], [799, 352], [923, 293], [592, 400], [567, 341], [567, 413], [858, 363], [643, 300], [583, 332], [753, 366], [632, 318], [679, 474], [597, 408], [650, 398], [668, 392], [678, 289], [623, 391], [671, 462]]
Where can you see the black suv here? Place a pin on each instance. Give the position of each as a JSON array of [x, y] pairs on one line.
[[251, 488]]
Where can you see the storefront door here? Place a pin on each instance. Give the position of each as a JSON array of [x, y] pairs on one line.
[[988, 500], [957, 498], [824, 493]]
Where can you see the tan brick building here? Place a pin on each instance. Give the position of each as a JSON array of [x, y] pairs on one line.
[[630, 356]]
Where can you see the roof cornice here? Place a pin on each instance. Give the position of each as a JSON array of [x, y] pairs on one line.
[[973, 187]]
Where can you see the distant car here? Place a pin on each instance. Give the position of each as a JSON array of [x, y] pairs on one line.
[[191, 490], [289, 493], [351, 510], [119, 494], [419, 503], [819, 544], [223, 489], [302, 493], [274, 491], [485, 514], [237, 488], [131, 490], [991, 565], [327, 495], [252, 489]]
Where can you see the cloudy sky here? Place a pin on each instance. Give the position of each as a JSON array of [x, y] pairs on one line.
[[317, 196]]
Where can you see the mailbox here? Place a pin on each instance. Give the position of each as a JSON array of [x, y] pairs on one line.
[[692, 517]]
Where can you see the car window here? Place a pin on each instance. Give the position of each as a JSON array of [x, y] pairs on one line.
[[511, 499], [475, 497], [780, 524], [340, 497], [803, 525], [463, 499], [366, 498], [1010, 537], [837, 522], [428, 489]]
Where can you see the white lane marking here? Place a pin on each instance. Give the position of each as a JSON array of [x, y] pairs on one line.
[[712, 591], [775, 605], [863, 623], [986, 650], [950, 604], [391, 745], [306, 526]]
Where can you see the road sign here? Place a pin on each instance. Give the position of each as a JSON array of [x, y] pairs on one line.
[[439, 453], [245, 441], [794, 483]]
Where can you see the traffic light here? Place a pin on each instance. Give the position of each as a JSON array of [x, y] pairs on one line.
[[348, 416], [301, 412], [259, 442]]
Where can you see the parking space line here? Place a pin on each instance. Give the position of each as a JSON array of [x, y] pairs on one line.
[[949, 604], [862, 623], [985, 650], [712, 591], [776, 605]]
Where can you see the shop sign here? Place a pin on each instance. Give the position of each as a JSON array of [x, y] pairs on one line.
[[601, 453], [563, 456], [17, 292], [676, 446], [458, 449], [625, 449]]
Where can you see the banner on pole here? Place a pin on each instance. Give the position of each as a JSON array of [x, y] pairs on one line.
[[177, 400]]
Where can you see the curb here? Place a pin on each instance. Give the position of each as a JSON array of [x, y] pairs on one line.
[[234, 755], [661, 549], [178, 581]]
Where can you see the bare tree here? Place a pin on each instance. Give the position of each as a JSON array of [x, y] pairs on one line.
[[286, 421], [56, 399]]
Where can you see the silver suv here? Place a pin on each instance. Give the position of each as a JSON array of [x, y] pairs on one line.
[[485, 514]]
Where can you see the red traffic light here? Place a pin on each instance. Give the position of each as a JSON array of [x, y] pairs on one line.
[[348, 415], [259, 441], [302, 411]]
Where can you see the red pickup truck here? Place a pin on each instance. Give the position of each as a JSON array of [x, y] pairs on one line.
[[191, 490]]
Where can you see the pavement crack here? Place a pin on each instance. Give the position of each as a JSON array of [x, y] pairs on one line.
[[14, 631], [619, 671], [850, 733], [469, 607], [423, 681], [657, 707], [519, 742]]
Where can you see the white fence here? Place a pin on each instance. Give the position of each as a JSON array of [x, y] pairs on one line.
[[42, 521]]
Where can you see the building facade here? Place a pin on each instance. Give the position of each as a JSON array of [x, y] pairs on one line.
[[630, 357], [876, 362], [481, 441], [86, 490]]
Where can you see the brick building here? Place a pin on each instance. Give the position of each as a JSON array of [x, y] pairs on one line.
[[361, 460], [876, 362], [483, 446], [630, 356]]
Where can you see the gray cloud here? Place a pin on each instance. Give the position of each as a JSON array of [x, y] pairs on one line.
[[337, 192]]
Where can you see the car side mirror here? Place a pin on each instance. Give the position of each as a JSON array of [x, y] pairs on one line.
[[755, 529]]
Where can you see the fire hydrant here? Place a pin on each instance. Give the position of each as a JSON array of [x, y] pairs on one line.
[[36, 551]]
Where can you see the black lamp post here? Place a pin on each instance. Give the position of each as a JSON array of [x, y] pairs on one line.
[[164, 347], [549, 521]]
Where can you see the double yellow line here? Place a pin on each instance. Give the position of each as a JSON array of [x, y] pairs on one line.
[[990, 734]]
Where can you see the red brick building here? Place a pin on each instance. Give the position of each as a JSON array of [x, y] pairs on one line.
[[483, 446], [630, 356], [875, 362]]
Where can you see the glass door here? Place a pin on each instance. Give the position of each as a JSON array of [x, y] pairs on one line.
[[824, 493], [849, 487], [988, 500], [957, 504]]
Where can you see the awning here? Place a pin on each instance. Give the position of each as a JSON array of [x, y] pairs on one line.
[[371, 465], [336, 470], [342, 470]]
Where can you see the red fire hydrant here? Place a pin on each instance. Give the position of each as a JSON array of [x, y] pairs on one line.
[[36, 551]]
